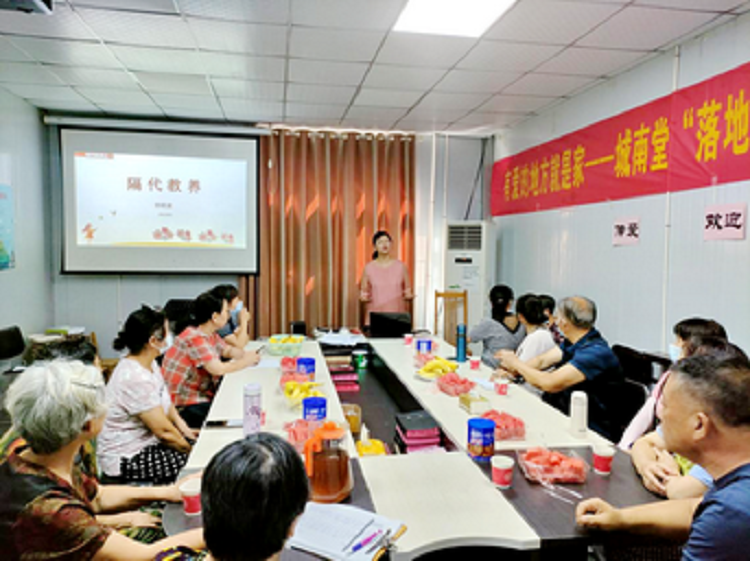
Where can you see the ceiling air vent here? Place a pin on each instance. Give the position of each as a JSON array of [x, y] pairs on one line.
[[466, 237], [28, 6]]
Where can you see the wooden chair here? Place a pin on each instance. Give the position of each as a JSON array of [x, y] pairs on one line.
[[452, 301]]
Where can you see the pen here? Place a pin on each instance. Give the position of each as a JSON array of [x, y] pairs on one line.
[[365, 541]]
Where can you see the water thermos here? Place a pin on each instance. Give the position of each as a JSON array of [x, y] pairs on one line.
[[579, 414], [461, 343], [252, 410]]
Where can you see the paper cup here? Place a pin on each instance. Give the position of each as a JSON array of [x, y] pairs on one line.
[[502, 471], [603, 455], [501, 387], [191, 496], [408, 339], [474, 363]]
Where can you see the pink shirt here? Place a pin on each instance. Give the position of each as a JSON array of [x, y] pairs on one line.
[[386, 287]]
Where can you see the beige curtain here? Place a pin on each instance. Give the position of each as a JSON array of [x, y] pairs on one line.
[[322, 197]]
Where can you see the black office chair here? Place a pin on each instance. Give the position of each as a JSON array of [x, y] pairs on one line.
[[631, 396], [636, 366], [12, 345]]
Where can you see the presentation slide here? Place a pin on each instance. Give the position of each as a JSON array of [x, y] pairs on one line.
[[146, 202]]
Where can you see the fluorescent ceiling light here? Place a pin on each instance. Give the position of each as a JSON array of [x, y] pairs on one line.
[[463, 18]]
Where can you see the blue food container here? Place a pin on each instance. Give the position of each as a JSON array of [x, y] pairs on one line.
[[424, 346], [306, 365], [481, 439], [314, 408]]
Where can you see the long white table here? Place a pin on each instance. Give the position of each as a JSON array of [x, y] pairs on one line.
[[545, 425], [444, 498]]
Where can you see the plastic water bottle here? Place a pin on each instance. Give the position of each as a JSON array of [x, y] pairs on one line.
[[579, 414], [252, 410], [461, 343]]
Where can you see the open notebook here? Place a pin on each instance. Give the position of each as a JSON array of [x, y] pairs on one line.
[[344, 532]]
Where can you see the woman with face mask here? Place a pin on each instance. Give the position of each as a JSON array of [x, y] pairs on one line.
[[143, 438], [235, 331]]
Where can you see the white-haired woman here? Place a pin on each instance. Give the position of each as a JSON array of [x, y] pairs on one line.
[[48, 506]]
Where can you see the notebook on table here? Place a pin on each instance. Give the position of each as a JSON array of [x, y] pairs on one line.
[[344, 532]]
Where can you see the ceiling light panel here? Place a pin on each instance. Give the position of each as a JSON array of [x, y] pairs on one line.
[[351, 14], [308, 93], [412, 49], [550, 22], [467, 18], [228, 87], [550, 85], [27, 73], [656, 28], [94, 77], [402, 77], [468, 81], [257, 11], [130, 28], [387, 98], [64, 24], [334, 44], [323, 72], [224, 36], [174, 83], [69, 53], [499, 56], [159, 6]]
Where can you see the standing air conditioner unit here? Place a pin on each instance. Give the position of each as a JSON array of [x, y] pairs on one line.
[[470, 264]]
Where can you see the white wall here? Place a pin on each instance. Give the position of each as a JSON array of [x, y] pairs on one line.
[[642, 290], [25, 292], [446, 176]]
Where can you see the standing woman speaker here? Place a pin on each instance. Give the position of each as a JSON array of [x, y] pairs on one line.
[[385, 283]]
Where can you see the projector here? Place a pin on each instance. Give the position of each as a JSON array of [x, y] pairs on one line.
[[28, 6]]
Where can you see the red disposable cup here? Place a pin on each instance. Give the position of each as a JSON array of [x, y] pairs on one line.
[[502, 471], [191, 496], [501, 387], [474, 363], [603, 455], [408, 339]]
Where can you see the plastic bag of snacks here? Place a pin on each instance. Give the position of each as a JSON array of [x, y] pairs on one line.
[[550, 466]]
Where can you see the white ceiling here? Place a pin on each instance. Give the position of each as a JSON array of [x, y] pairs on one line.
[[332, 63]]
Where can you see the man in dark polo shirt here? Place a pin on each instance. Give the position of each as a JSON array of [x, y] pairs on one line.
[[584, 362], [706, 418]]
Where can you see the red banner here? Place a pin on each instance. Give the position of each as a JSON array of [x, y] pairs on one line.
[[693, 138]]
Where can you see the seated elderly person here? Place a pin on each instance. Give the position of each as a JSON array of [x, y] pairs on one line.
[[193, 365], [584, 362], [252, 493], [706, 418], [48, 507]]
